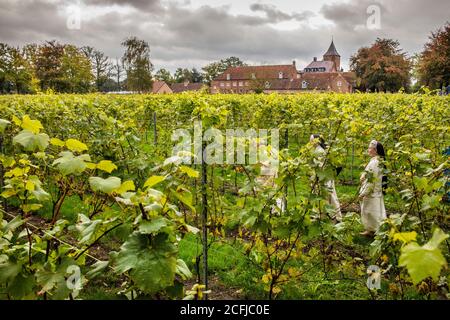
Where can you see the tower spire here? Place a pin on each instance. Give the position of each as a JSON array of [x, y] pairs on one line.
[[332, 49], [333, 55]]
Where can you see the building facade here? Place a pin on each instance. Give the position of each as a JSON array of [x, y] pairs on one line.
[[323, 76]]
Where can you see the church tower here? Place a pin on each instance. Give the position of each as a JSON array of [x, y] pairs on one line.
[[333, 55]]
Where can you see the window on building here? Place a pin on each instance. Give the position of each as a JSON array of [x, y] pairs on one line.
[[246, 83], [234, 84], [241, 83], [228, 84], [304, 84], [222, 84], [280, 75], [298, 76], [267, 84], [253, 76], [339, 83], [228, 76]]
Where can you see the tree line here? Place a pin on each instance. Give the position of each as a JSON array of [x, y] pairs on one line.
[[66, 68]]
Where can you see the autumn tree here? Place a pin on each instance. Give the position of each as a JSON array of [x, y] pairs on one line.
[[16, 73], [63, 68], [212, 70], [382, 67], [433, 66], [48, 65], [76, 72], [138, 67]]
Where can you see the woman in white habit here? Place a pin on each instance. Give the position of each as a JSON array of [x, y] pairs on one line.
[[320, 151], [373, 211]]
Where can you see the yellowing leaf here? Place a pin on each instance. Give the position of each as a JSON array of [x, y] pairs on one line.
[[276, 290], [152, 181], [91, 165], [31, 207], [29, 185], [16, 121], [266, 278], [32, 125], [57, 142], [106, 165], [405, 237], [75, 145], [126, 186], [189, 171]]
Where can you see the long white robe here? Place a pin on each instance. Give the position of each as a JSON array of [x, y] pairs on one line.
[[333, 199], [373, 211]]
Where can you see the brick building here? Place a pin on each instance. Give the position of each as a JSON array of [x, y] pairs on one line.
[[161, 87], [323, 76]]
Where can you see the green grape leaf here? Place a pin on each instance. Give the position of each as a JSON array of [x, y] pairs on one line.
[[97, 269], [105, 185], [3, 124], [69, 164], [183, 270], [48, 279], [153, 226], [31, 141], [22, 286], [424, 261], [152, 265], [87, 228], [8, 269]]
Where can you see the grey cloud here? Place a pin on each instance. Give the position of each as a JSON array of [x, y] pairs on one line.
[[275, 15], [180, 36], [152, 5]]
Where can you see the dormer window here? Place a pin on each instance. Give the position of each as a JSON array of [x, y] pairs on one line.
[[228, 76], [253, 76], [280, 75], [339, 83], [267, 84], [304, 84]]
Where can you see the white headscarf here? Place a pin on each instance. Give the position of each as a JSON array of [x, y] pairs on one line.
[[373, 144]]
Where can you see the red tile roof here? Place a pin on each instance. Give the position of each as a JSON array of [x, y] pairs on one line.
[[328, 65], [157, 85], [261, 72], [181, 87]]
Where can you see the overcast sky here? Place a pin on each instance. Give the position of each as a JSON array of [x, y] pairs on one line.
[[193, 33]]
